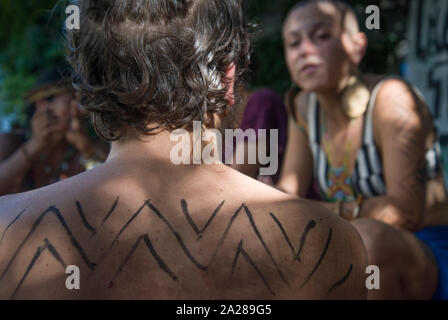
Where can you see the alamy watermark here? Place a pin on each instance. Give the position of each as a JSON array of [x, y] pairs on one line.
[[373, 280], [373, 21], [73, 280], [212, 152], [72, 21]]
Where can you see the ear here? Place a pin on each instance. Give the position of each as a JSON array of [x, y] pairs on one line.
[[356, 46], [230, 77], [360, 47]]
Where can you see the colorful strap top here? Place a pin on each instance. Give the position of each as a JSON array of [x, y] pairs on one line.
[[367, 178]]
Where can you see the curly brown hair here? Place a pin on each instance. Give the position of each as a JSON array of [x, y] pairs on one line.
[[153, 65]]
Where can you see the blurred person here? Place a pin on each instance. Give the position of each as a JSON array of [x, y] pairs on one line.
[[57, 145], [140, 227], [366, 147], [263, 109]]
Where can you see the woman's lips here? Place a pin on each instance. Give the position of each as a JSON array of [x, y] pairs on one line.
[[309, 69]]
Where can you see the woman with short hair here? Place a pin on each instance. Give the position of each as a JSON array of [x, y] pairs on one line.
[[366, 148]]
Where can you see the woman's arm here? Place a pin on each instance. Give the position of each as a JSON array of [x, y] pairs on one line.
[[297, 169], [401, 131], [13, 163]]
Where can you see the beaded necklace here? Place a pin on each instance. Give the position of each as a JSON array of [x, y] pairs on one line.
[[339, 179], [52, 175]]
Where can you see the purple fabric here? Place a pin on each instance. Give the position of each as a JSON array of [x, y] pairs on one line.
[[266, 110], [314, 191]]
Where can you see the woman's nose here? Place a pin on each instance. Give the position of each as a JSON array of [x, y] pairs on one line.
[[306, 47]]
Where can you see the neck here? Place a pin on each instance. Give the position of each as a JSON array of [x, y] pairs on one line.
[[331, 102], [132, 147], [332, 105], [163, 147]]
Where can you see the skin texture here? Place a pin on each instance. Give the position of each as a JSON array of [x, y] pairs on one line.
[[140, 227], [398, 113]]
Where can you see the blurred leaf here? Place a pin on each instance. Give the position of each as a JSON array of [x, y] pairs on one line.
[[31, 31]]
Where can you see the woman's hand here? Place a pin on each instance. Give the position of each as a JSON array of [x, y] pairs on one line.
[[45, 126], [343, 209], [347, 210]]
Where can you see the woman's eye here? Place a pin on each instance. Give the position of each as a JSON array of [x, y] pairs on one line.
[[293, 44], [324, 36]]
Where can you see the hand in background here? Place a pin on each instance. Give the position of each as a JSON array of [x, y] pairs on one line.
[[46, 131], [77, 133]]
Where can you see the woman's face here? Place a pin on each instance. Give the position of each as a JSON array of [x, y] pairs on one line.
[[314, 52], [60, 107]]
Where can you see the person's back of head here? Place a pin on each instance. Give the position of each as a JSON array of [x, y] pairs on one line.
[[157, 64]]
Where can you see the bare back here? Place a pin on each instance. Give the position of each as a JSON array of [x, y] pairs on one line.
[[136, 232]]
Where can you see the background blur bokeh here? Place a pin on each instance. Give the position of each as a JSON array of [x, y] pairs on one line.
[[32, 42]]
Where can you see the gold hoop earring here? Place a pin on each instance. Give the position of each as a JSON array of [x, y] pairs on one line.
[[355, 98]]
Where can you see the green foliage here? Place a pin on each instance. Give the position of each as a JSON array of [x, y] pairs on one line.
[[32, 32], [269, 68]]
